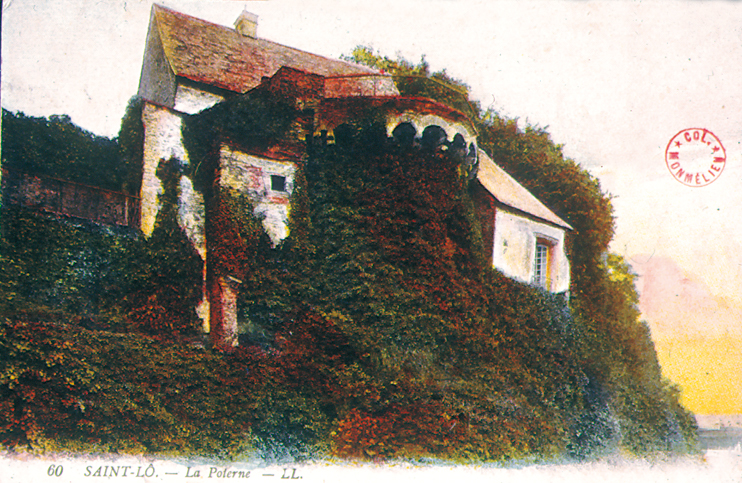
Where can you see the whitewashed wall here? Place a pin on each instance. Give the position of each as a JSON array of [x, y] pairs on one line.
[[191, 100], [163, 140], [252, 175], [515, 248]]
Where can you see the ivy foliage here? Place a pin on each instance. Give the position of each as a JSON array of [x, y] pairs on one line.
[[464, 361], [254, 119], [88, 316], [70, 268], [69, 388], [376, 330], [103, 277], [87, 319], [131, 146], [628, 402], [387, 335], [169, 270], [637, 408]]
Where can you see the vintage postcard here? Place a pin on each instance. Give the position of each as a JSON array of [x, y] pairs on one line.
[[411, 239]]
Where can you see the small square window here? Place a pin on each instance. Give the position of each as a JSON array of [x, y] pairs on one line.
[[278, 183]]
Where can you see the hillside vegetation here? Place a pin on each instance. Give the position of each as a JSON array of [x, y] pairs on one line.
[[376, 330], [57, 148]]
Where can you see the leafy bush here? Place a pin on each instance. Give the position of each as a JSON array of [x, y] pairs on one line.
[[80, 269], [169, 269], [64, 387]]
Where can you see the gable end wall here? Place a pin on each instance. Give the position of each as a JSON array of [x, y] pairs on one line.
[[515, 247], [157, 82]]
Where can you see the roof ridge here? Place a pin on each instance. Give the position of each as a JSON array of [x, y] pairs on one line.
[[371, 69], [259, 39]]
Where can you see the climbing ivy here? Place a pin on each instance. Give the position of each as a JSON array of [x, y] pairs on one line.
[[254, 119], [621, 376], [131, 145], [376, 330], [169, 270]]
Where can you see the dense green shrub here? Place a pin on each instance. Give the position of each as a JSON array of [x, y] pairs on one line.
[[64, 387], [636, 405], [131, 146], [390, 255], [169, 270], [77, 268], [109, 278]]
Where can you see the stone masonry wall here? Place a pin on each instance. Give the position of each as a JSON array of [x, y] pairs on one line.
[[163, 140], [255, 176]]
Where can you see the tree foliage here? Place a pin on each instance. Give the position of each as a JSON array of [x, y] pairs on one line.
[[58, 148], [416, 80]]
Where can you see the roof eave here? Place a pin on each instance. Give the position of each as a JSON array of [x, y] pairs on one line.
[[563, 225]]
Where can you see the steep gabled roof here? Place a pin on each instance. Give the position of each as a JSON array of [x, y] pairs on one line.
[[510, 193], [220, 56]]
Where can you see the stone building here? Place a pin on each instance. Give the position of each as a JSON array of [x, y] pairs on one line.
[[525, 237], [191, 65]]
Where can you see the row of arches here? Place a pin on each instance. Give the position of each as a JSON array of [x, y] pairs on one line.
[[433, 137], [405, 134]]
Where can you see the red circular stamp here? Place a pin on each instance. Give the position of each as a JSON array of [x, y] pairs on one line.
[[695, 157]]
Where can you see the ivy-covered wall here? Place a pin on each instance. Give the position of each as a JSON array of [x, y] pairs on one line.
[[376, 330]]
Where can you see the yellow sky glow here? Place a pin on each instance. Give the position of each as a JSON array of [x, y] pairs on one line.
[[708, 369]]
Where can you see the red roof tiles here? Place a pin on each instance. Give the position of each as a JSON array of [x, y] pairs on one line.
[[219, 56]]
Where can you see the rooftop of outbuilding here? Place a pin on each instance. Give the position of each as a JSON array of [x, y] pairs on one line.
[[509, 192]]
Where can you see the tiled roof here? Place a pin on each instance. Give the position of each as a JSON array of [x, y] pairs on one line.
[[219, 56], [509, 192]]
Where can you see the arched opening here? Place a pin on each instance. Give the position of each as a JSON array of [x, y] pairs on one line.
[[434, 137], [404, 134], [372, 135], [458, 147]]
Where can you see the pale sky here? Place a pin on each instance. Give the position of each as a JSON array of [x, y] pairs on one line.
[[612, 81]]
